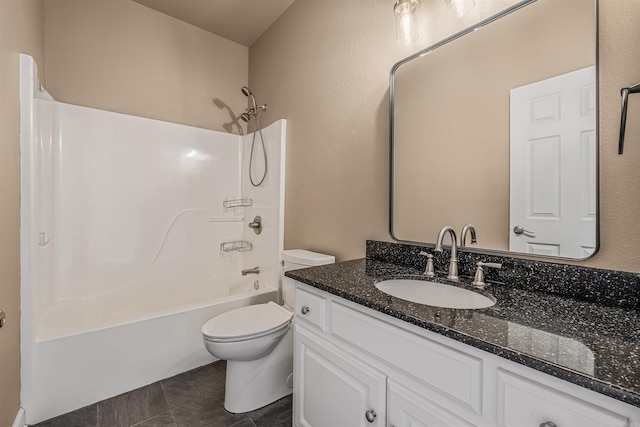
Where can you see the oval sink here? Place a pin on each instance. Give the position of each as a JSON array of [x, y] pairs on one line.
[[434, 294]]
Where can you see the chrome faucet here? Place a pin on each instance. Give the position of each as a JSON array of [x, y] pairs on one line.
[[463, 235], [254, 270], [453, 261]]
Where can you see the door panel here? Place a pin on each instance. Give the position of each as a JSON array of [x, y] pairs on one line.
[[553, 166]]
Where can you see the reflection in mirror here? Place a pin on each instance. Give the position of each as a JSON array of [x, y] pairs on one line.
[[498, 128], [554, 348]]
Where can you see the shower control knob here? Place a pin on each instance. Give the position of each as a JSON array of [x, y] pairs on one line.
[[304, 309], [256, 225], [548, 424], [370, 415]]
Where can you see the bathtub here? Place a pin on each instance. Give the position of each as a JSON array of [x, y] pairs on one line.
[[90, 350]]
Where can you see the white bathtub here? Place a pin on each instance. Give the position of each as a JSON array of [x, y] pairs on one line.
[[137, 302], [82, 354]]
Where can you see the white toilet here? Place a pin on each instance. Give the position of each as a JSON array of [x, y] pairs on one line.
[[257, 343]]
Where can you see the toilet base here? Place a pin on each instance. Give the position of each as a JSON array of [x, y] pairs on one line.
[[256, 383]]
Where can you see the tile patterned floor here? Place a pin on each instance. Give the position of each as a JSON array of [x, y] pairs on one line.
[[191, 399]]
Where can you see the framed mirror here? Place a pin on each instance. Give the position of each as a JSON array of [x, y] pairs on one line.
[[497, 126]]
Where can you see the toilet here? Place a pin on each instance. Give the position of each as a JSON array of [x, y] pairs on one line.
[[257, 342]]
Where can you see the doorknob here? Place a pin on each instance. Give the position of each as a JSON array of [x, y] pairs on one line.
[[370, 415], [518, 229]]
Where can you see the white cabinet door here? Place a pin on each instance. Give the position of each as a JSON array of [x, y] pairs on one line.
[[408, 409], [333, 389]]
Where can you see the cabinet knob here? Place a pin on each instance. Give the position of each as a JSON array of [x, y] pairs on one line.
[[304, 309], [370, 415], [547, 424]]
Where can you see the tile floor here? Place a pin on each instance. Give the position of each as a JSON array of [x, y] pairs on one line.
[[191, 399]]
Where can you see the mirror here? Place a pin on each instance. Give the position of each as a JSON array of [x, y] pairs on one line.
[[496, 126]]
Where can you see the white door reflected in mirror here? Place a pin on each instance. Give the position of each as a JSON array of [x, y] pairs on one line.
[[553, 166]]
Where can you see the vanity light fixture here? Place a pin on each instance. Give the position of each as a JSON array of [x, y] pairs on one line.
[[406, 27], [459, 8]]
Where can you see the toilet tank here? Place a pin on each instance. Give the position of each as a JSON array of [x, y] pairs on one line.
[[295, 259]]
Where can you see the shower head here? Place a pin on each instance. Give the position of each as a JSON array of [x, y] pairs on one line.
[[247, 92], [245, 117]]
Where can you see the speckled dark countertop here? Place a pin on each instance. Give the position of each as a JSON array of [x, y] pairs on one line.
[[589, 344]]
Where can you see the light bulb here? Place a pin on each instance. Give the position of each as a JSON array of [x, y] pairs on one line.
[[406, 27], [459, 8]]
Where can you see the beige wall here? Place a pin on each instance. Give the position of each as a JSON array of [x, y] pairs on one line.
[[21, 30], [325, 67], [619, 175], [121, 56]]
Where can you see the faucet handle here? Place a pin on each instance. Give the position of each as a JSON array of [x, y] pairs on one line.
[[489, 264], [429, 270], [478, 279]]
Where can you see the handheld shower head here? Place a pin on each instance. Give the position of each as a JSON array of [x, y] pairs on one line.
[[247, 92], [246, 117]]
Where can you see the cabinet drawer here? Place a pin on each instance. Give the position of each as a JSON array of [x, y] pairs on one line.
[[406, 408], [523, 402], [312, 308], [452, 373]]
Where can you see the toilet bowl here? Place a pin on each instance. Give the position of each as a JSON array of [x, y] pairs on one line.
[[257, 343]]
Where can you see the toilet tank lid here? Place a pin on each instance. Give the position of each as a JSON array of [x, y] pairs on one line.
[[304, 257]]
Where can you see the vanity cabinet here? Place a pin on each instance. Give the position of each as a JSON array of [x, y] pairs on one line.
[[335, 389], [354, 366]]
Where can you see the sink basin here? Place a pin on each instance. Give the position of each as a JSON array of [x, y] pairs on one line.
[[434, 294]]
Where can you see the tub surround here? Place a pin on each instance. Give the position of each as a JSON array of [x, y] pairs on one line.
[[574, 323], [106, 269]]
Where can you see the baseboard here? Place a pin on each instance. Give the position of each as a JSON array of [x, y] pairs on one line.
[[21, 419]]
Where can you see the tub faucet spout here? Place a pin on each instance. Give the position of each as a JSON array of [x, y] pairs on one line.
[[254, 270]]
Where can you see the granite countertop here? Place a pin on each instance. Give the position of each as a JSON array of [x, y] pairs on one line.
[[591, 345]]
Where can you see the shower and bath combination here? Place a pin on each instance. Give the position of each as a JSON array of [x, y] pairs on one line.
[[254, 112]]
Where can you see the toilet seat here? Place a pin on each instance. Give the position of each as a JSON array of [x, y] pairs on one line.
[[247, 323]]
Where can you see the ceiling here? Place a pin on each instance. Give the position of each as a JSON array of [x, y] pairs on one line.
[[241, 21]]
